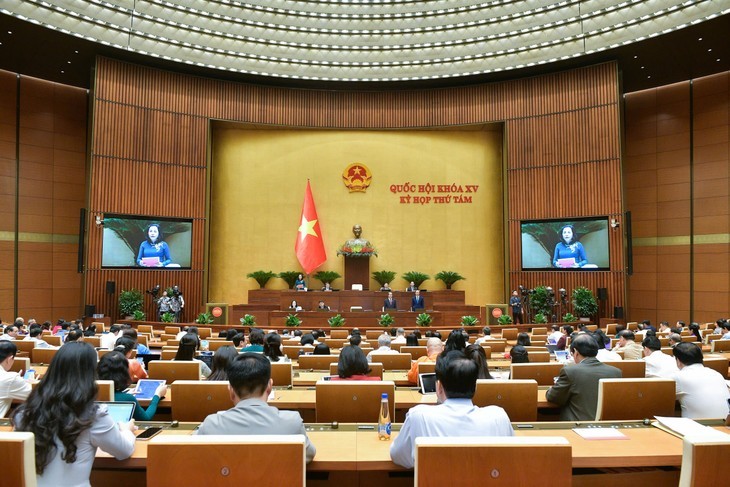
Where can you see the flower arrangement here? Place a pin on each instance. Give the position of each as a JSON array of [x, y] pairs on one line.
[[357, 250]]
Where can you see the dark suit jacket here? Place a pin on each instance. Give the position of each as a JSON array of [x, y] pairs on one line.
[[390, 305], [577, 389], [417, 303]]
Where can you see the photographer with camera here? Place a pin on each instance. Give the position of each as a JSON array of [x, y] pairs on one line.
[[177, 303]]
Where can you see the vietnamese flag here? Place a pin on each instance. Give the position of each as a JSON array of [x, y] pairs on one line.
[[309, 247]]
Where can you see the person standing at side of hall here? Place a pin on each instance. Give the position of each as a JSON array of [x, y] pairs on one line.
[[516, 303]]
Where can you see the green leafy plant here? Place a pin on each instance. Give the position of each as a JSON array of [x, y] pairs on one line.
[[336, 321], [569, 318], [540, 319], [504, 319], [540, 302], [423, 319], [168, 317], [130, 301], [449, 278], [382, 277], [386, 320], [290, 277], [261, 277], [469, 321], [139, 315], [248, 320], [204, 319], [416, 277], [327, 276], [584, 302], [292, 320]]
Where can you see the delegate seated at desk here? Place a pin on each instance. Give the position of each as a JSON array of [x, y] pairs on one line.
[[417, 301], [250, 384], [390, 302]]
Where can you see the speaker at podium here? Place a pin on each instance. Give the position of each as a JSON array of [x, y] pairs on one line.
[[219, 312]]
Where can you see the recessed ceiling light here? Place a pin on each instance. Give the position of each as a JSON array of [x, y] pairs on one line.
[[718, 60], [648, 77], [62, 71], [10, 32], [68, 62], [709, 50], [635, 57], [76, 52], [699, 39], [642, 67]]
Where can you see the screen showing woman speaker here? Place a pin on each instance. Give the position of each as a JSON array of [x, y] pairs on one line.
[[575, 244], [146, 243]]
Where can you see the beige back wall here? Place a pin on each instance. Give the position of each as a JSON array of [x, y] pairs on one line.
[[258, 177]]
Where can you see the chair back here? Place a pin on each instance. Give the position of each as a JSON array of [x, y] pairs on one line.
[[339, 333], [426, 367], [100, 326], [376, 370], [168, 354], [494, 461], [205, 333], [630, 369], [352, 401], [416, 352], [20, 363], [172, 370], [214, 345], [17, 449], [611, 329], [105, 390], [720, 346], [374, 334], [24, 345], [538, 330], [146, 329], [42, 355], [281, 373], [517, 397], [498, 346], [193, 400], [719, 364], [293, 351], [316, 362], [172, 330], [142, 339], [54, 340], [701, 461], [510, 333], [538, 356], [632, 399], [336, 342], [226, 460], [393, 361], [711, 337], [544, 373]]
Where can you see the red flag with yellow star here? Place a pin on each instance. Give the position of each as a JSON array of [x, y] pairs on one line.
[[309, 247]]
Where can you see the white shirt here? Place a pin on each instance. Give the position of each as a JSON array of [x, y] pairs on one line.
[[659, 364], [455, 417], [483, 339], [399, 339], [702, 392], [39, 343], [385, 349], [12, 386], [5, 336], [554, 337], [608, 355], [108, 340]]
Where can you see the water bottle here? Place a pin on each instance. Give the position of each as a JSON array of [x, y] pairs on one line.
[[384, 419]]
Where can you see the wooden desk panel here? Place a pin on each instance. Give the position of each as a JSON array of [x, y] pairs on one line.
[[343, 300]]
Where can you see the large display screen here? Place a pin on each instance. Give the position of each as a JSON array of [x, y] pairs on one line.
[[567, 244], [146, 242]]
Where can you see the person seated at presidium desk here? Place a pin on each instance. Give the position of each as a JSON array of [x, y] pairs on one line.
[[299, 284], [153, 252], [568, 248]]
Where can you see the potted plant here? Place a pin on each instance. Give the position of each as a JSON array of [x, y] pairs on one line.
[[168, 317], [416, 277], [449, 278], [336, 321], [129, 302], [569, 318], [469, 321], [139, 315], [504, 319], [386, 320], [540, 301], [584, 302], [292, 320], [423, 319], [383, 277], [540, 319], [204, 319], [290, 277], [248, 320], [261, 277], [327, 276]]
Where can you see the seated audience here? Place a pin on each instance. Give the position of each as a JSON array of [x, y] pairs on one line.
[[383, 346], [272, 348], [701, 391], [12, 385], [519, 355], [566, 332], [255, 341], [35, 336], [74, 336], [249, 377], [627, 344], [487, 335], [664, 327], [658, 363], [605, 355], [674, 339], [694, 329], [131, 333], [108, 340], [65, 449], [523, 339], [576, 389], [321, 349], [400, 336], [222, 358], [555, 335], [126, 346], [353, 365], [434, 346], [455, 415], [90, 330], [479, 356], [456, 341], [186, 352], [411, 340], [114, 366], [11, 333]]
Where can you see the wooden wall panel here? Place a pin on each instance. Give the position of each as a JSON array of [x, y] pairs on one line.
[[562, 149]]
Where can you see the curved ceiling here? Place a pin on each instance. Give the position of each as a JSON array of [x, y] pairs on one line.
[[365, 40]]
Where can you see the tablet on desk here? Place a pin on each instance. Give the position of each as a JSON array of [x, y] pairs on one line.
[[146, 388], [561, 356], [428, 383], [121, 412]]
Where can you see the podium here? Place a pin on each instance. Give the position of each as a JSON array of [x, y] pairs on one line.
[[357, 271]]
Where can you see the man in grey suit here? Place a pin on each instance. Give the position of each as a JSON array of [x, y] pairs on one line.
[[249, 377], [576, 389]]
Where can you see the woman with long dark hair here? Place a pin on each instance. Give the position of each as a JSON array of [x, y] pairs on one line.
[[353, 365], [477, 354], [114, 366], [272, 348], [67, 425], [223, 356], [189, 344]]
